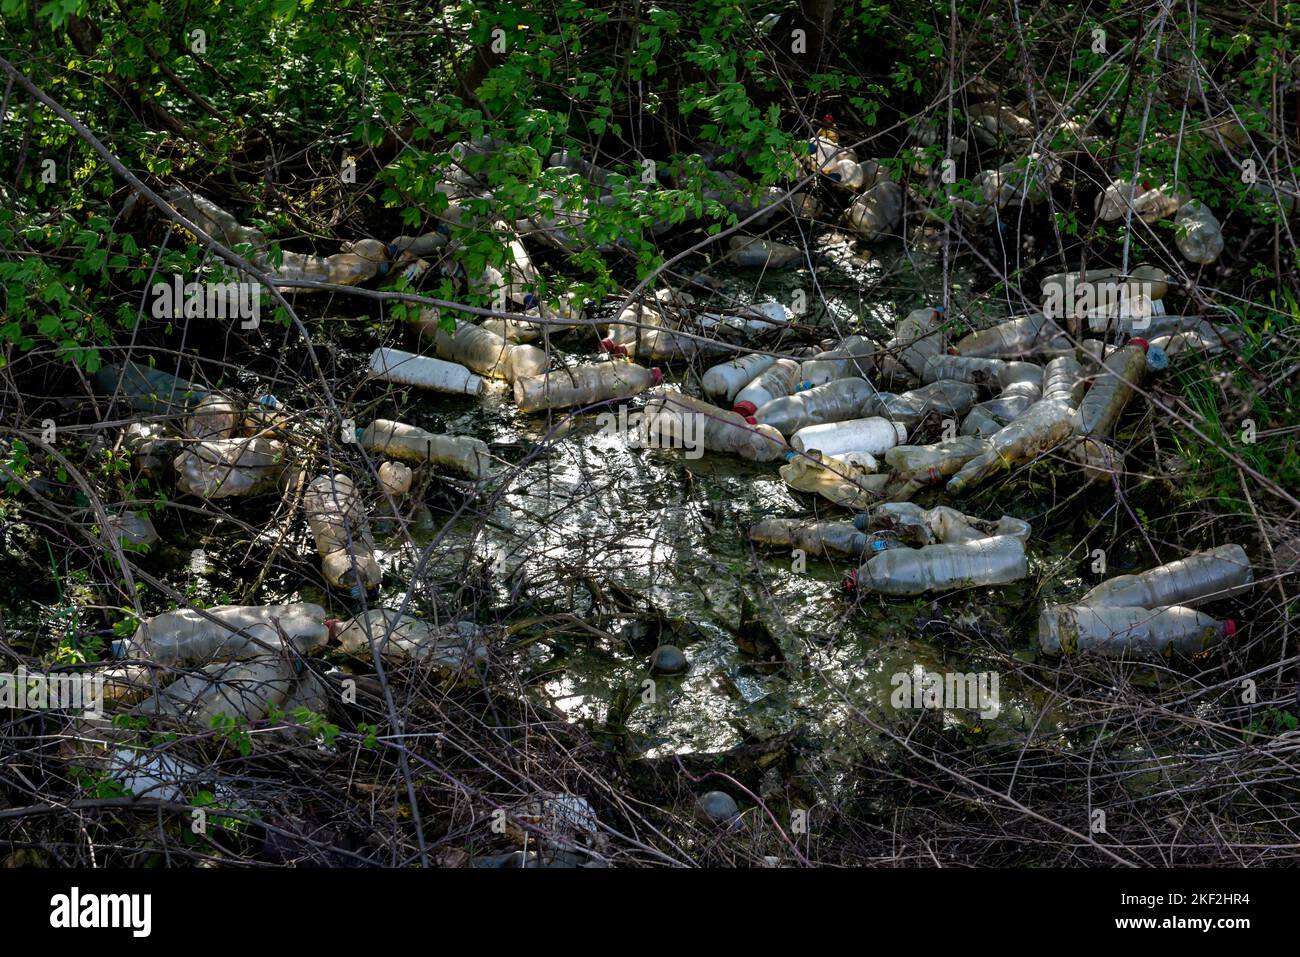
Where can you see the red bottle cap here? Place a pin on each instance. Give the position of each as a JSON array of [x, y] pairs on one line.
[[656, 376], [751, 420], [851, 582], [333, 626], [745, 407], [1229, 628], [1139, 341], [608, 345]]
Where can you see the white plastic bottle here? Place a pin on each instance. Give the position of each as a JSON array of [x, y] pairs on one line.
[[185, 636], [873, 435], [584, 384], [968, 564], [424, 372], [337, 518], [1125, 631], [223, 468], [833, 402], [235, 689], [1211, 575], [401, 441], [780, 378], [724, 380], [855, 356]]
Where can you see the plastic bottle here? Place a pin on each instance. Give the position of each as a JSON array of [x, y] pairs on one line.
[[824, 539], [584, 384], [974, 369], [877, 211], [574, 163], [215, 417], [931, 464], [146, 390], [424, 372], [1063, 381], [917, 337], [184, 636], [855, 356], [1150, 203], [723, 381], [222, 468], [1198, 235], [1212, 575], [395, 478], [337, 518], [1043, 426], [873, 435], [914, 571], [1112, 389], [1204, 339], [132, 528], [457, 647], [1021, 387], [850, 480], [946, 397], [781, 378], [752, 252], [721, 431], [212, 219], [753, 320], [832, 402], [1027, 336], [366, 258], [245, 689], [401, 441], [476, 348], [405, 248], [921, 526], [1125, 631]]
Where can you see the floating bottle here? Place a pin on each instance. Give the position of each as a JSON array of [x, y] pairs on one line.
[[854, 357], [397, 637], [752, 252], [968, 564], [146, 390], [672, 416], [823, 539], [424, 372], [215, 417], [1043, 426], [1025, 337], [337, 518], [1197, 233], [401, 441], [873, 435], [235, 689], [876, 212], [1021, 384], [850, 480], [1124, 631], [476, 348], [927, 526], [931, 464], [1112, 389], [723, 381], [946, 397], [836, 400], [585, 384], [184, 636], [781, 378], [1212, 575], [222, 468]]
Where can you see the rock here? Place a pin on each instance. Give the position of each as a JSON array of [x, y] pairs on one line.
[[668, 660], [718, 807]]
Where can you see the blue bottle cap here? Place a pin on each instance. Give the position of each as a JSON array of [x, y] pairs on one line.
[[789, 456], [268, 402], [804, 386], [392, 249], [357, 592], [360, 433], [529, 300], [879, 545], [812, 147], [833, 177], [1157, 359], [383, 268]]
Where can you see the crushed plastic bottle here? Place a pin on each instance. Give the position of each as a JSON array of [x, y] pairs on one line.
[[401, 441], [481, 350], [585, 384], [1198, 235], [877, 211], [873, 435], [752, 252], [973, 369], [215, 417], [968, 564], [917, 337], [781, 378], [723, 381], [1213, 575], [854, 357], [456, 648], [146, 390], [832, 402], [337, 518], [132, 528], [945, 397], [919, 527], [850, 480], [186, 636], [926, 465], [246, 689], [822, 539], [1021, 384], [1124, 631], [1025, 337], [424, 372], [1044, 426], [665, 421], [1150, 203], [222, 468], [395, 478]]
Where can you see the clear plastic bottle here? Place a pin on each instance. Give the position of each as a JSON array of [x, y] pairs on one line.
[[1043, 426], [850, 480], [723, 381], [184, 636], [1025, 337], [720, 430], [781, 378], [1112, 389], [832, 402], [215, 417], [424, 372], [337, 518], [584, 384], [753, 320], [395, 478], [752, 252], [876, 212], [407, 248], [481, 350], [855, 356], [366, 259], [974, 369], [212, 219], [1198, 235], [823, 539], [401, 441], [146, 390], [1021, 384], [968, 564], [1212, 575], [847, 174], [921, 526], [873, 435], [1125, 631], [931, 464], [917, 337], [1063, 381], [132, 528], [946, 397], [222, 468], [245, 689], [397, 637]]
